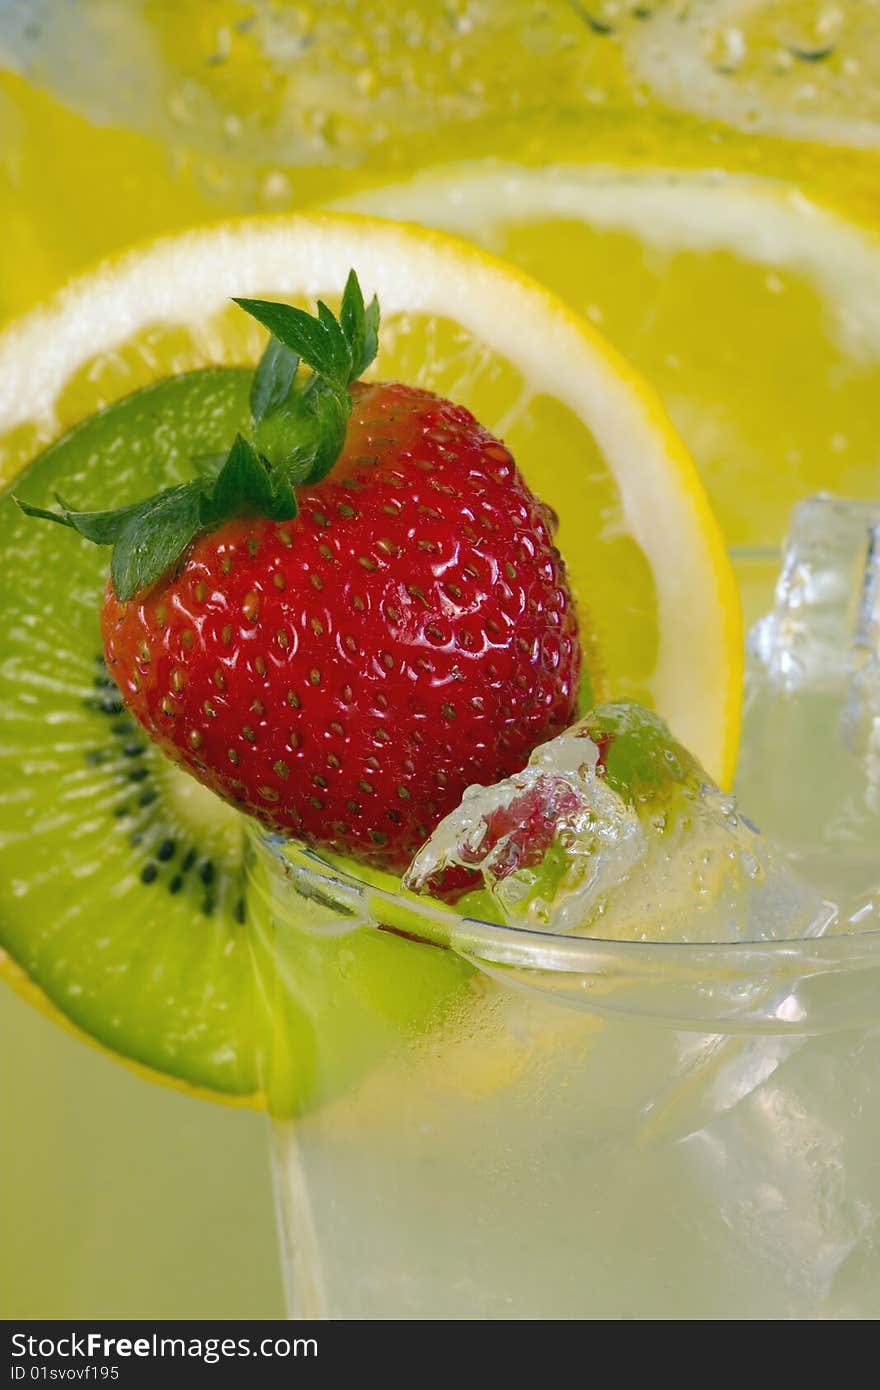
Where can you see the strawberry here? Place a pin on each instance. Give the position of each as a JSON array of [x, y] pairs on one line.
[[359, 615]]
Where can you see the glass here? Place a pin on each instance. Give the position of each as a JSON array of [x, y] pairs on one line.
[[812, 703], [583, 1128]]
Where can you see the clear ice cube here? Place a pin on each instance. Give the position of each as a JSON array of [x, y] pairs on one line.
[[614, 830], [810, 763]]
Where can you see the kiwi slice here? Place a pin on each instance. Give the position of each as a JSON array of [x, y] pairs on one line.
[[121, 880]]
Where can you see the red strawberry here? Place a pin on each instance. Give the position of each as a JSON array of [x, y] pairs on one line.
[[344, 674], [513, 836]]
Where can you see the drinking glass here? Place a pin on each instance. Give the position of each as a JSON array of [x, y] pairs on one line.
[[479, 1121]]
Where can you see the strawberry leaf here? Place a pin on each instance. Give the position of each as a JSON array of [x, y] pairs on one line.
[[247, 483], [151, 543], [352, 316], [339, 347], [243, 484], [321, 347], [299, 430], [371, 337], [275, 375], [360, 325], [171, 506], [330, 411]]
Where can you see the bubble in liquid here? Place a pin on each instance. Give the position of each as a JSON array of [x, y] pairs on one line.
[[725, 49], [276, 188]]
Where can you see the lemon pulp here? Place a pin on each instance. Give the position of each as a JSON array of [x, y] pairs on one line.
[[644, 553], [643, 550], [739, 299]]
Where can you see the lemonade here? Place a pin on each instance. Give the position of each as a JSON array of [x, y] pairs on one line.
[[621, 1128], [557, 1146], [700, 182]]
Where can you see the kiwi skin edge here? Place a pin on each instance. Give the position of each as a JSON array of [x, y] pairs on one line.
[[12, 974]]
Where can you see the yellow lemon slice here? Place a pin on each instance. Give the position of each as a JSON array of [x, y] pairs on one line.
[[744, 303], [644, 553], [119, 882]]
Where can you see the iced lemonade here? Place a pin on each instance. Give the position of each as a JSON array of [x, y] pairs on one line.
[[564, 1097]]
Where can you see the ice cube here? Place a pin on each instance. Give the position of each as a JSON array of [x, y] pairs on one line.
[[614, 830], [810, 763]]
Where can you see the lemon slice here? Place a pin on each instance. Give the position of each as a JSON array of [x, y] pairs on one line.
[[744, 303], [165, 983], [645, 556]]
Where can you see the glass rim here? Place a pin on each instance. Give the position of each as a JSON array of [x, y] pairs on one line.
[[784, 985], [803, 984]]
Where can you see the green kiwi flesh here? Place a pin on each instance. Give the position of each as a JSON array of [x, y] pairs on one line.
[[122, 892]]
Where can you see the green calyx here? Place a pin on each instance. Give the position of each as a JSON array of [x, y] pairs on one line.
[[299, 426]]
